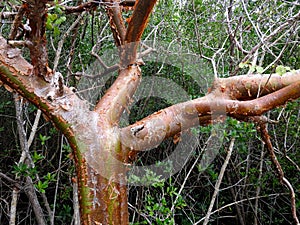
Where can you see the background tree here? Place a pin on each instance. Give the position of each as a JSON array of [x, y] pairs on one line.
[[222, 39]]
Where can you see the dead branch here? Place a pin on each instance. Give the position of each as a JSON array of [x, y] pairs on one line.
[[29, 188], [240, 201], [14, 182]]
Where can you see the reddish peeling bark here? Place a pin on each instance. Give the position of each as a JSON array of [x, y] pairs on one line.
[[100, 146], [114, 12], [227, 98], [36, 13], [102, 186], [136, 26], [91, 5], [17, 22]]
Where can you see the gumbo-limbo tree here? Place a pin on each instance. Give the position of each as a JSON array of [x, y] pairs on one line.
[[102, 148]]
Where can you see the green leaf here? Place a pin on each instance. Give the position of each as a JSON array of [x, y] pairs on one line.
[[243, 65], [56, 31], [49, 25], [60, 20], [51, 17], [58, 9], [50, 177], [280, 70], [43, 139], [259, 69], [41, 186], [36, 157]]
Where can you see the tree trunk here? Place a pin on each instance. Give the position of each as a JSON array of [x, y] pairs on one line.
[[100, 147]]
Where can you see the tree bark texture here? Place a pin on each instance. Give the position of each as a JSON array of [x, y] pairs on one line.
[[99, 144], [100, 147]]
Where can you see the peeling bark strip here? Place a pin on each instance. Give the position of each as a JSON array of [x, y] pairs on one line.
[[36, 12], [17, 22], [114, 13], [225, 96], [16, 74], [104, 200]]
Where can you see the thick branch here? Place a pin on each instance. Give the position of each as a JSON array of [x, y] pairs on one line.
[[135, 29], [37, 14], [118, 96], [16, 73], [213, 107], [139, 19], [91, 5], [247, 87], [116, 21]]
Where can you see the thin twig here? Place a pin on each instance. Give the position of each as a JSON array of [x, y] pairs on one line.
[[219, 181], [258, 189], [265, 39], [34, 127], [57, 181], [29, 190], [238, 202], [14, 182], [61, 42]]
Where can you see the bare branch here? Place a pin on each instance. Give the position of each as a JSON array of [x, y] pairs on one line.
[[117, 25], [266, 138], [136, 26], [36, 12], [219, 181], [231, 33], [240, 201], [265, 38], [61, 42], [14, 182], [29, 189]]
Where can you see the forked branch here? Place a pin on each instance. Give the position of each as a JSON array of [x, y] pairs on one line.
[[221, 102]]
